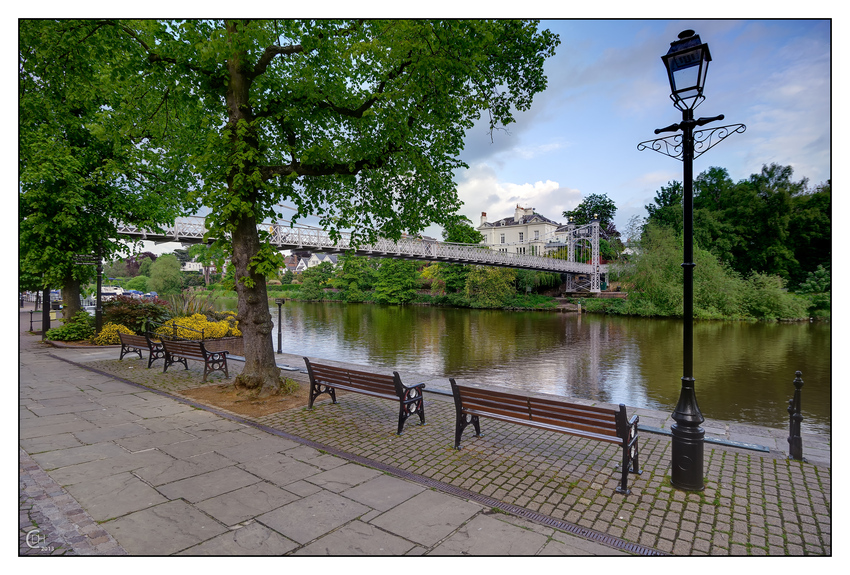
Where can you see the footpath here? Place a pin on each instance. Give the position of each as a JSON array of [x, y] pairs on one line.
[[114, 461]]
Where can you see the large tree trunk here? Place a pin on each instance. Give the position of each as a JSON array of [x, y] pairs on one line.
[[255, 321], [70, 297]]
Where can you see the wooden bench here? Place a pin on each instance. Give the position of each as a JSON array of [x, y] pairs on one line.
[[550, 413], [180, 351], [327, 379], [139, 343]]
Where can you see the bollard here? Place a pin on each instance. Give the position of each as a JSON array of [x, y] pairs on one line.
[[795, 440]]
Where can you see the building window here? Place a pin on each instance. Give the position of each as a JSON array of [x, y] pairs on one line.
[[502, 238], [536, 235], [521, 236]]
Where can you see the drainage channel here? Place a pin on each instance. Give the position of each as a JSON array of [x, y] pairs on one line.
[[573, 529]]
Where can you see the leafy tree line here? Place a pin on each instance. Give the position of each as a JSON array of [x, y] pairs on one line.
[[762, 249], [398, 282], [767, 223]]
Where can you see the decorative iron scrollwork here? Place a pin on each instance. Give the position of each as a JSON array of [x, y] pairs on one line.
[[669, 146], [704, 140]]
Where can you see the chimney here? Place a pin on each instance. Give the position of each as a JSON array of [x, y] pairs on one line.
[[483, 218]]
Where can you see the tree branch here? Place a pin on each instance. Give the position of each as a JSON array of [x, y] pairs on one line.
[[270, 53]]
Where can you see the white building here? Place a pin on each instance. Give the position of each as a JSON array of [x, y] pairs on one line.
[[192, 267], [524, 233]]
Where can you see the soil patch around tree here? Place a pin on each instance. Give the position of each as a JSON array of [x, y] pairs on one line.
[[226, 396]]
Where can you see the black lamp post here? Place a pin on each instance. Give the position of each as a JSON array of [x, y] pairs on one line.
[[687, 65], [279, 301]]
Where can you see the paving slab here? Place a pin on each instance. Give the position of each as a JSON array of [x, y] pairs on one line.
[[49, 443], [206, 443], [428, 517], [200, 487], [93, 470], [280, 469], [383, 492], [315, 457], [108, 433], [487, 535], [253, 539], [110, 416], [115, 495], [164, 529], [171, 469], [343, 477], [358, 538], [153, 439], [32, 431], [577, 546], [263, 447], [313, 516], [77, 454], [247, 502]]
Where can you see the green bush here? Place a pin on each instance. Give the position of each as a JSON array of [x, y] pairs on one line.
[[766, 298], [76, 328], [490, 287], [137, 314]]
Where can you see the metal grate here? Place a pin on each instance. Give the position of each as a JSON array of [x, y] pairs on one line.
[[584, 532]]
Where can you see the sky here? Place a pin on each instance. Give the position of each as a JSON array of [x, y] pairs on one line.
[[608, 91]]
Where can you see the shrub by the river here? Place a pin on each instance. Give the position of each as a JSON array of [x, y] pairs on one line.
[[197, 326], [109, 334], [137, 314], [76, 328]]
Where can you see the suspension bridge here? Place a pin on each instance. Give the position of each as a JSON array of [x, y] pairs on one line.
[[582, 266]]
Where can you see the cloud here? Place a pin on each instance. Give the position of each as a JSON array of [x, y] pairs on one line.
[[481, 191]]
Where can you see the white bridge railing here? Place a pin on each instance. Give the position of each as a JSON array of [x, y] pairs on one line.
[[189, 230]]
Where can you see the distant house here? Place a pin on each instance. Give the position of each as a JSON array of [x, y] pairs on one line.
[[301, 266], [317, 259], [290, 263], [525, 233], [192, 267]]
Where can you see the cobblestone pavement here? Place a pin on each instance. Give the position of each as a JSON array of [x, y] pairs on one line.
[[754, 503]]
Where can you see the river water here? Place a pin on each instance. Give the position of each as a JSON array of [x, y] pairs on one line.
[[744, 371]]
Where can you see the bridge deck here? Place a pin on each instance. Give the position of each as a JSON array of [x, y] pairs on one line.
[[189, 230]]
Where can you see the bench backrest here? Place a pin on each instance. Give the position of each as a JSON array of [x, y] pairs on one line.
[[491, 401], [598, 420], [601, 422], [338, 376], [130, 339], [184, 348]]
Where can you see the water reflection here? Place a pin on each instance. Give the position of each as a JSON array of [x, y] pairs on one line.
[[743, 371]]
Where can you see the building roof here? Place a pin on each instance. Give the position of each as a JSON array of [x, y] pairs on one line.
[[523, 220]]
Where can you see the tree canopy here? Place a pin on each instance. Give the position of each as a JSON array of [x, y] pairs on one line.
[[358, 122], [78, 173]]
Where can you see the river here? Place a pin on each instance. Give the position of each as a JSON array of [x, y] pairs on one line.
[[744, 371]]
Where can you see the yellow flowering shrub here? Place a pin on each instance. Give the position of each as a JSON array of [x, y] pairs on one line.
[[109, 334], [193, 326]]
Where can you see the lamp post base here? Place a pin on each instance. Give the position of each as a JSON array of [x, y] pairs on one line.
[[686, 472]]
